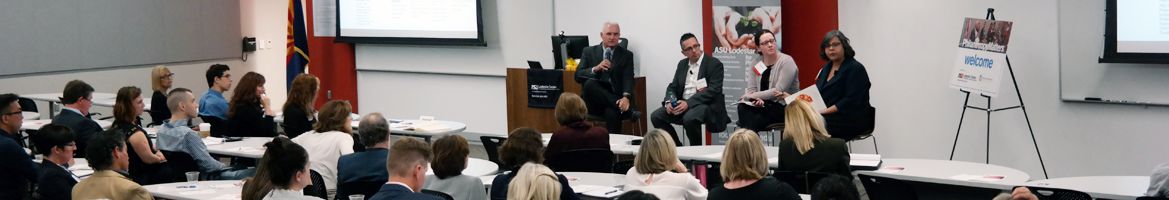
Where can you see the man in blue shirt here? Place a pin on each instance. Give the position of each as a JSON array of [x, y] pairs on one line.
[[212, 104], [17, 168], [175, 135]]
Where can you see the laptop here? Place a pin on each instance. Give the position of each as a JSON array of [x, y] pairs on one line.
[[532, 64]]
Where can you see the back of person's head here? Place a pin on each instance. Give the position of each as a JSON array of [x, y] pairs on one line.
[[75, 90], [282, 160], [637, 195], [215, 71], [176, 97], [835, 187], [157, 75], [744, 157], [523, 145], [406, 154], [246, 93], [534, 182], [803, 126], [450, 156], [334, 116], [124, 104], [102, 147], [53, 135], [657, 153], [570, 108], [1159, 181], [303, 93], [373, 129]]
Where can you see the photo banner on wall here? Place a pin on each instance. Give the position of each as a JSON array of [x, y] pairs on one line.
[[731, 33], [981, 58]]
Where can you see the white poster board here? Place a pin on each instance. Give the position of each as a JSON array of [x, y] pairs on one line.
[[981, 56]]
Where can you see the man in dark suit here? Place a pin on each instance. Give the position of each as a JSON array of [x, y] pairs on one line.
[[54, 180], [407, 167], [694, 96], [367, 166], [606, 78], [78, 98], [16, 168]]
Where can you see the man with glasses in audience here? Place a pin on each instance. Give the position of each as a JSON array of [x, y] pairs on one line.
[[16, 167], [78, 98], [55, 181]]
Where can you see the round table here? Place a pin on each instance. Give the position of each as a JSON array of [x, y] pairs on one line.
[[476, 167], [228, 189], [620, 144], [30, 115], [1107, 187], [37, 124], [950, 172], [249, 147]]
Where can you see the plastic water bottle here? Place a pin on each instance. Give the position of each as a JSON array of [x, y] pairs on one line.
[[673, 100]]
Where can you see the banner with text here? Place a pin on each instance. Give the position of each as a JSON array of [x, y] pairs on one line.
[[732, 31], [981, 56]]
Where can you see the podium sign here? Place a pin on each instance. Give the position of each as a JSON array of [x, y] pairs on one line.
[[981, 56]]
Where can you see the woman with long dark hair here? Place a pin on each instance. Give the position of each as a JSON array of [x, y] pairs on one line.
[[250, 113], [145, 160]]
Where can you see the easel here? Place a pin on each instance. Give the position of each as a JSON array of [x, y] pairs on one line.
[[989, 110]]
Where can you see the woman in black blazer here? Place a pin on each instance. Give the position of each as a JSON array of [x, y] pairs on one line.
[[299, 115], [806, 146], [844, 85], [249, 113]]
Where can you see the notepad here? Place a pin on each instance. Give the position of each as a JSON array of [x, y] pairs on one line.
[[810, 94], [864, 161], [598, 191]]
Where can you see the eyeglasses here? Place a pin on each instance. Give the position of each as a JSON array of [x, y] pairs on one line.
[[692, 48], [13, 113], [168, 75], [834, 45]]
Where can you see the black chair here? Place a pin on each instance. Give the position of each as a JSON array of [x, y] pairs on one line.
[[317, 189], [367, 188], [622, 166], [27, 105], [582, 160], [218, 126], [491, 145], [881, 188], [1058, 194], [801, 181], [438, 194], [177, 165], [1152, 198]]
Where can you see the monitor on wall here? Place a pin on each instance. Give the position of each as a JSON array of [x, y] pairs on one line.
[[1136, 31], [414, 22]]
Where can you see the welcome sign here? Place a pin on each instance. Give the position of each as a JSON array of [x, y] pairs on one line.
[[981, 56]]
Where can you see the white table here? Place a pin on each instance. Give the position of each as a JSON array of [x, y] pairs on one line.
[[30, 115], [99, 99], [229, 189], [37, 124], [1108, 187], [475, 167], [714, 153], [411, 128], [580, 181], [249, 147], [947, 172], [620, 144]]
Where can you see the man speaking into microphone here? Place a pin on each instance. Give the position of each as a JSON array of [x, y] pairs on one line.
[[606, 77]]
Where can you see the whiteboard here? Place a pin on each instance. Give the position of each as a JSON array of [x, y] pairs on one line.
[[1081, 41]]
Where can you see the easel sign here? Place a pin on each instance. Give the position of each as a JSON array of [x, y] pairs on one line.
[[982, 48]]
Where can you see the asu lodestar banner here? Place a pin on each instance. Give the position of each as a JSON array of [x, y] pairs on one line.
[[981, 56], [732, 34]]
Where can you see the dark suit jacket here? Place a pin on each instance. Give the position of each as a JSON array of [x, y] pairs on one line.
[[296, 121], [848, 90], [363, 166], [16, 168], [158, 108], [711, 69], [83, 128], [54, 182], [395, 192], [619, 75], [828, 156], [249, 121]]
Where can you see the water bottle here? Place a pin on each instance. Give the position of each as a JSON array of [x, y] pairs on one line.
[[673, 100]]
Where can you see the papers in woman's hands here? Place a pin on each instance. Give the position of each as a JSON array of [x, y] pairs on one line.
[[811, 94], [747, 101]]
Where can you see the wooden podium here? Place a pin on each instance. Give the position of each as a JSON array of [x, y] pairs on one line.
[[543, 119]]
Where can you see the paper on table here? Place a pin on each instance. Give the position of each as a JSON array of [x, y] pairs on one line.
[[891, 169], [810, 94], [198, 192], [82, 172], [867, 160], [983, 178], [598, 191], [212, 141]]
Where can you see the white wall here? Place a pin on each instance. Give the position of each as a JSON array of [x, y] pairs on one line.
[[264, 19], [908, 47]]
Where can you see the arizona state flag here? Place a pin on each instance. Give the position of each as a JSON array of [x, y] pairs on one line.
[[297, 46]]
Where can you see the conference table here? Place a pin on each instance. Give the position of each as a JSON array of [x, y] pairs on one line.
[[959, 173], [253, 147], [620, 144], [1106, 187], [425, 129], [224, 189], [714, 153], [30, 115], [99, 99], [37, 124]]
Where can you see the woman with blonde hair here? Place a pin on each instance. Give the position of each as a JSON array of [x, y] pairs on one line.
[[534, 182], [298, 110], [744, 171], [807, 146], [330, 138], [657, 170], [161, 80]]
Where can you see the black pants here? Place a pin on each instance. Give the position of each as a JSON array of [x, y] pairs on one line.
[[602, 101], [758, 118], [691, 120], [846, 127]]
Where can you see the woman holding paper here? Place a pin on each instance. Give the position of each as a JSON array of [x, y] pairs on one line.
[[844, 85], [768, 83]]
